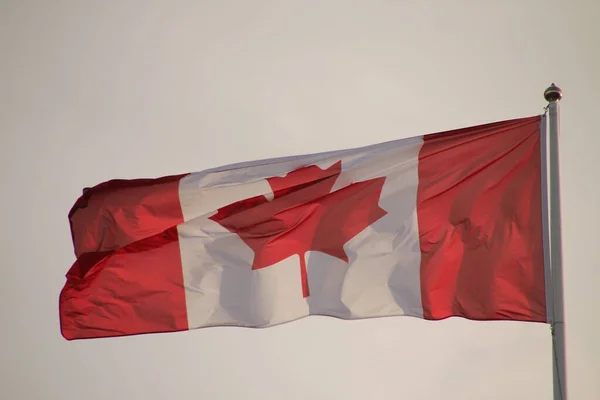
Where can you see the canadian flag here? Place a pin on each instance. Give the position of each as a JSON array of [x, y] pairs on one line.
[[446, 224]]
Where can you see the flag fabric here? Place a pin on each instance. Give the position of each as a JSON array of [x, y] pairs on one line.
[[441, 225]]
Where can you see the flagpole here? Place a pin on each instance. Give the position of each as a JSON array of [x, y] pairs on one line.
[[553, 95]]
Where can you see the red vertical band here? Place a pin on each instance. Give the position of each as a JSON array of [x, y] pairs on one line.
[[479, 213], [128, 277]]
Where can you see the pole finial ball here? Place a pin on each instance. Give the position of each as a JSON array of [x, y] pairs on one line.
[[553, 93]]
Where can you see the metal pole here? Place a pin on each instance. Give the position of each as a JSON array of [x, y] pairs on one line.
[[553, 95]]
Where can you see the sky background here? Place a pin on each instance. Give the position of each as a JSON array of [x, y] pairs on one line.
[[91, 91]]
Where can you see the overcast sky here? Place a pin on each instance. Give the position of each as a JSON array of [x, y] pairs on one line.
[[95, 90]]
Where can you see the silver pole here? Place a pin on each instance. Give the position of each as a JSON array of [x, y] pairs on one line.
[[553, 95]]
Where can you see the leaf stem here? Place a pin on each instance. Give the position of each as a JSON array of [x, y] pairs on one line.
[[304, 276]]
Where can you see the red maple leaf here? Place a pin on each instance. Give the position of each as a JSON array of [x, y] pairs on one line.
[[303, 216]]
